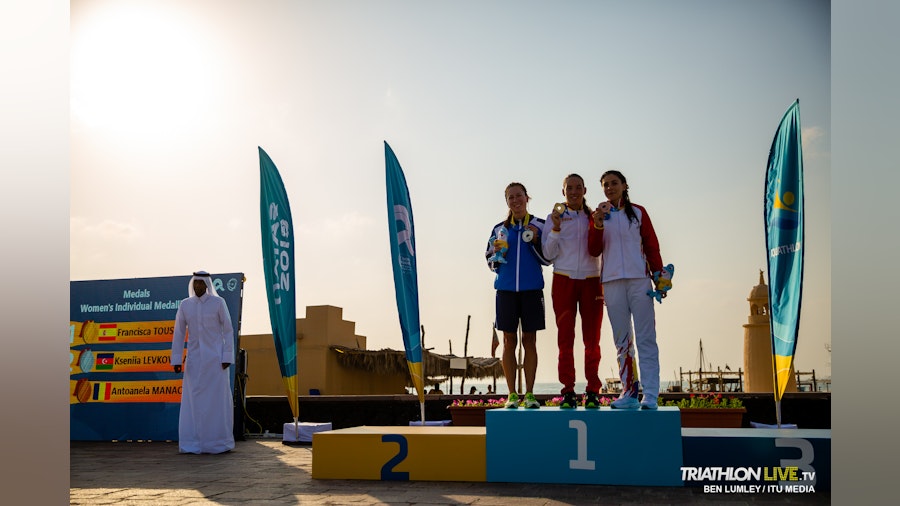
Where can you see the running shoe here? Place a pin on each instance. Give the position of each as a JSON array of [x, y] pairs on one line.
[[531, 402], [570, 401], [649, 402], [627, 402], [591, 400], [512, 402]]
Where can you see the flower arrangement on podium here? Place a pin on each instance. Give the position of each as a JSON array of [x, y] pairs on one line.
[[470, 412], [479, 403], [710, 410]]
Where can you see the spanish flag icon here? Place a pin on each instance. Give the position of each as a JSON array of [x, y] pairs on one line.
[[108, 331]]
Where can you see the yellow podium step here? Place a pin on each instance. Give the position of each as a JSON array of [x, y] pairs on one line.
[[414, 453]]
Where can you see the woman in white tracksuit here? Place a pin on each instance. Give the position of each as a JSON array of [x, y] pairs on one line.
[[630, 249], [576, 289]]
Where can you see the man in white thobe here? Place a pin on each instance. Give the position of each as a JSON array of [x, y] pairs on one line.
[[206, 419]]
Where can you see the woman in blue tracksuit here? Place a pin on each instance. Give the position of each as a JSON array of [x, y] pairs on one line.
[[514, 253]]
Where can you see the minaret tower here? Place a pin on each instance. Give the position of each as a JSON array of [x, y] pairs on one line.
[[758, 368]]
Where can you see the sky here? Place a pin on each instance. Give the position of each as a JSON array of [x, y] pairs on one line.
[[170, 99]]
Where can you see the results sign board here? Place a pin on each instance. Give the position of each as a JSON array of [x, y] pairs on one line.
[[121, 384]]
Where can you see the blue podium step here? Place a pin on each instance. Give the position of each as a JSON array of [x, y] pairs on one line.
[[593, 446]]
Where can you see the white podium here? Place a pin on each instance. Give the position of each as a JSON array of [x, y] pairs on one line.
[[303, 431]]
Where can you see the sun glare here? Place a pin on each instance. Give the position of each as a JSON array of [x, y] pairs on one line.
[[140, 70]]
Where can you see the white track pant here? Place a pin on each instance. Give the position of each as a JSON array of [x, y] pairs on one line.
[[627, 299]]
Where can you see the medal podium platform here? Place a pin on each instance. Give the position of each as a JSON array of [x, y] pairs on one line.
[[575, 446], [547, 445]]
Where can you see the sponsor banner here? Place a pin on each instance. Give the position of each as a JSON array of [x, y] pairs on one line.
[[402, 236], [87, 391], [90, 332], [278, 241], [783, 212], [89, 360]]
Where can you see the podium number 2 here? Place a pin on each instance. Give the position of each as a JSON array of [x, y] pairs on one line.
[[387, 470], [581, 462]]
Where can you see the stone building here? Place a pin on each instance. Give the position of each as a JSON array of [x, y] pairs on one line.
[[333, 360], [318, 370]]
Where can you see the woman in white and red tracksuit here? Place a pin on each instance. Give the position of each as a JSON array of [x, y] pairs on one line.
[[630, 255], [576, 289]]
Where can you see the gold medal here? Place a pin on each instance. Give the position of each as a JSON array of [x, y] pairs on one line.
[[89, 332], [559, 208]]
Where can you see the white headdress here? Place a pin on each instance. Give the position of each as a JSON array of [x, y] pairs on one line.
[[206, 278]]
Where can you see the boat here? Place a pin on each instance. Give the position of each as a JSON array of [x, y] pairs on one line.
[[612, 386], [709, 380]]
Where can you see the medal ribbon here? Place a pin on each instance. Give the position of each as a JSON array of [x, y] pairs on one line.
[[524, 223], [524, 227]]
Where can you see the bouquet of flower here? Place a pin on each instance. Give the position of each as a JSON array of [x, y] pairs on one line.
[[707, 401], [553, 401], [478, 403]]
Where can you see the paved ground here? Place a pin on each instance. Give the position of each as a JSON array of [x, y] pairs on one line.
[[267, 472]]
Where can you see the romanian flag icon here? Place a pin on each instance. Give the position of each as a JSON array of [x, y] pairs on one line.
[[104, 361], [102, 391], [108, 331]]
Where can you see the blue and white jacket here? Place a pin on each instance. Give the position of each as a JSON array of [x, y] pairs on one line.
[[524, 260]]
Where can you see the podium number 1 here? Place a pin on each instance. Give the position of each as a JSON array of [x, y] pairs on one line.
[[581, 462]]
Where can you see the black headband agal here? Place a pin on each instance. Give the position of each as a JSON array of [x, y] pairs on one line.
[[202, 274]]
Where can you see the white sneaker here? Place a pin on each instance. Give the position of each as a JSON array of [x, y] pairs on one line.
[[512, 402], [649, 402], [627, 402]]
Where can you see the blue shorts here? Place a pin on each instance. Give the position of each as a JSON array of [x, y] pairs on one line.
[[527, 306]]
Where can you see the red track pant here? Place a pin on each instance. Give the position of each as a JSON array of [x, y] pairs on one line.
[[584, 296]]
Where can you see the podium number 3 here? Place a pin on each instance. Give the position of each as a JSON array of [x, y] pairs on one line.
[[581, 462]]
